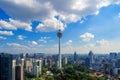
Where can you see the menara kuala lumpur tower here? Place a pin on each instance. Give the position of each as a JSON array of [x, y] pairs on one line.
[[59, 35]]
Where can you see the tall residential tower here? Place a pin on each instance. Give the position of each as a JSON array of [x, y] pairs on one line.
[[5, 66]]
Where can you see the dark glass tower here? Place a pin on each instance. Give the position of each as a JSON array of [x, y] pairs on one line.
[[19, 72], [75, 57], [5, 66], [91, 57]]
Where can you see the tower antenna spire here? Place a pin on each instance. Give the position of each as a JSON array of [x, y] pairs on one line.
[[59, 24]]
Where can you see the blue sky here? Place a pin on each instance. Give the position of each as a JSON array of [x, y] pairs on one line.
[[30, 27]]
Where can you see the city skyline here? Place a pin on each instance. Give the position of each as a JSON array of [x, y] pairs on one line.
[[31, 27]]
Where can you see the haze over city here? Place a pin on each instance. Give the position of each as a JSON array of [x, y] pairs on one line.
[[32, 26]]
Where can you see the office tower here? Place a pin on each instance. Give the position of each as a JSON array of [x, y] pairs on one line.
[[107, 68], [21, 55], [37, 68], [19, 72], [59, 34], [113, 66], [87, 62], [13, 69], [22, 62], [66, 60], [5, 66], [118, 66], [45, 62], [118, 63], [75, 57], [26, 56], [18, 60], [116, 70], [113, 55], [28, 66], [91, 58], [50, 63], [35, 56], [118, 55]]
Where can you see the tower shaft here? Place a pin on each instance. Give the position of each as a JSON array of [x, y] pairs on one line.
[[60, 65]]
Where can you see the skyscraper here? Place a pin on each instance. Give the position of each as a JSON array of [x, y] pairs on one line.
[[28, 67], [45, 62], [50, 63], [19, 72], [113, 55], [66, 60], [107, 68], [59, 34], [37, 67], [87, 61], [91, 58], [5, 66], [13, 69], [75, 57]]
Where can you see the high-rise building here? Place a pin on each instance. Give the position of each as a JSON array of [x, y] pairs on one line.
[[91, 58], [87, 62], [75, 57], [106, 68], [118, 63], [22, 62], [28, 66], [13, 69], [45, 62], [50, 63], [59, 34], [37, 68], [113, 66], [19, 72], [113, 55], [66, 60], [118, 55], [5, 66], [26, 56], [35, 56]]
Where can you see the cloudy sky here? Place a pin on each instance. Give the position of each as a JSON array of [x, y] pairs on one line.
[[31, 26]]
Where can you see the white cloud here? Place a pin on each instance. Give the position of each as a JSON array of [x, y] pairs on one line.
[[102, 42], [15, 24], [90, 45], [50, 25], [16, 45], [1, 37], [8, 33], [21, 37], [33, 43], [42, 40], [46, 10], [87, 36], [69, 42], [6, 25], [82, 21], [45, 37], [20, 24], [28, 10]]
